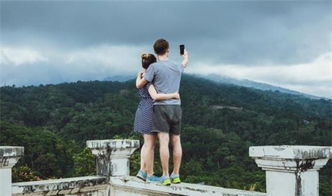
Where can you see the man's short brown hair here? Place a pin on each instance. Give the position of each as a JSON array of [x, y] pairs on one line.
[[160, 46]]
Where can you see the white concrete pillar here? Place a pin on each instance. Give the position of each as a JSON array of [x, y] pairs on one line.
[[291, 170], [112, 155], [9, 155]]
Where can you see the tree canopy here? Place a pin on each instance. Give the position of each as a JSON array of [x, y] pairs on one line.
[[220, 122]]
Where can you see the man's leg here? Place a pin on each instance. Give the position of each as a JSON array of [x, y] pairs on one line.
[[177, 153], [160, 124], [164, 151]]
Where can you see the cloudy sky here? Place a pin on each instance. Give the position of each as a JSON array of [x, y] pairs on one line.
[[284, 43]]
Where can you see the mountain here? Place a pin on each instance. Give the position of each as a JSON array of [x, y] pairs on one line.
[[220, 122], [119, 78], [228, 80], [253, 84]]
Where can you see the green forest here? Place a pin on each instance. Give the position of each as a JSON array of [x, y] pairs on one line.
[[220, 122]]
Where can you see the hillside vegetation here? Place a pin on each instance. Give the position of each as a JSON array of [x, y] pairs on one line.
[[220, 122]]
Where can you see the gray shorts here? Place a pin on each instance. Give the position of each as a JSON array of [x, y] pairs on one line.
[[167, 118]]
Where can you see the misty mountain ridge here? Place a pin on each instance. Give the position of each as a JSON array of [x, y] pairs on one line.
[[254, 84], [119, 78], [229, 80]]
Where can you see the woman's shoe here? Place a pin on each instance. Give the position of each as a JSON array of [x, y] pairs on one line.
[[142, 175], [175, 178]]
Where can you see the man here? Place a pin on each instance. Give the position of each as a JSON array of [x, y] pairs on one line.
[[167, 114]]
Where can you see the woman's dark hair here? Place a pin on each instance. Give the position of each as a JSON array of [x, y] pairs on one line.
[[147, 60], [160, 46]]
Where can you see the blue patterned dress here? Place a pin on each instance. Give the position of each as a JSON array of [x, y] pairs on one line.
[[144, 112]]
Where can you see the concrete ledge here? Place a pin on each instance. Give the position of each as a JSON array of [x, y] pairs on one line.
[[9, 155], [294, 168], [11, 151], [112, 156], [124, 186], [61, 186], [119, 186], [112, 144], [291, 152]]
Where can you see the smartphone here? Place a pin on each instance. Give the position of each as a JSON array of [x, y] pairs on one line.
[[182, 49]]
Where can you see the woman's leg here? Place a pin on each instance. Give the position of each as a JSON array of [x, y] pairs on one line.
[[143, 152], [149, 142]]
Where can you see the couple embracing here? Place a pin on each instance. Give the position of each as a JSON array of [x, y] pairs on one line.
[[159, 112]]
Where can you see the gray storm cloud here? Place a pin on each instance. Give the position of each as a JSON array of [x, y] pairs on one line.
[[63, 41], [229, 32]]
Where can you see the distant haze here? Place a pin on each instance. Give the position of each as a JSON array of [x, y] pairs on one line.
[[283, 43]]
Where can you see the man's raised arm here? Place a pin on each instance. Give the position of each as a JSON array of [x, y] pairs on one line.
[[185, 61]]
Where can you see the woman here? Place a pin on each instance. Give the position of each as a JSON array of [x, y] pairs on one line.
[[143, 120]]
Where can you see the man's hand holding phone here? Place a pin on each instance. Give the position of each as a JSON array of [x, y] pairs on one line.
[[184, 54]]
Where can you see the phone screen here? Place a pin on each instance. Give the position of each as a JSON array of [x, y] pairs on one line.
[[182, 49]]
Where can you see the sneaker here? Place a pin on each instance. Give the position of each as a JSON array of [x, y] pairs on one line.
[[141, 175], [175, 178], [165, 181], [153, 178]]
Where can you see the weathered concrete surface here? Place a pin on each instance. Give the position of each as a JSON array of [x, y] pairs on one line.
[[87, 185], [291, 152], [131, 186], [9, 155], [112, 156], [119, 186], [291, 170]]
